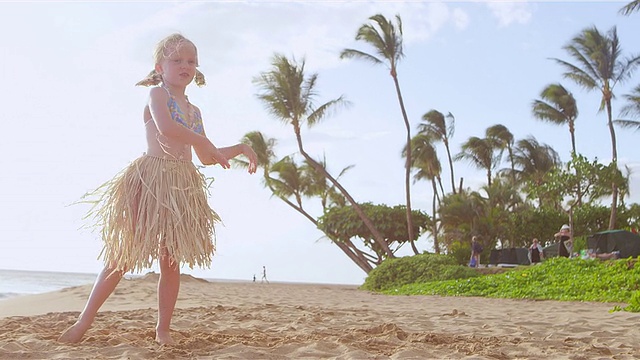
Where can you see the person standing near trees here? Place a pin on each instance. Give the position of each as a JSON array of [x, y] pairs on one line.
[[566, 241], [536, 254], [476, 250]]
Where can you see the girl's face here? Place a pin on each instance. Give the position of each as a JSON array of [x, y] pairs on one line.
[[179, 67]]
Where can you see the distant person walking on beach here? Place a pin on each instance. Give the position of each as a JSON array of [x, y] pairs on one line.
[[264, 275], [156, 208]]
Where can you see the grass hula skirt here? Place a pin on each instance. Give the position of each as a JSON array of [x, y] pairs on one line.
[[152, 204]]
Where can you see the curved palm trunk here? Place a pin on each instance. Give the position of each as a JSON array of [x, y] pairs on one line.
[[407, 180], [513, 164], [365, 219], [453, 184], [441, 188], [436, 245], [614, 156], [362, 263], [572, 131]]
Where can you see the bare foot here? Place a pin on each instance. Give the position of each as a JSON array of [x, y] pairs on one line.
[[163, 337], [74, 333]]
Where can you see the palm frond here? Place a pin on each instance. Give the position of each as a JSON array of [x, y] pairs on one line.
[[628, 124], [353, 53], [385, 39], [578, 75], [326, 109], [434, 125], [630, 7], [632, 107]]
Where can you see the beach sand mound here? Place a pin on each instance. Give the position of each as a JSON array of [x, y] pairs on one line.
[[288, 321]]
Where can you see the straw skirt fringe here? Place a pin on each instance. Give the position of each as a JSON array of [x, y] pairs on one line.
[[152, 205]]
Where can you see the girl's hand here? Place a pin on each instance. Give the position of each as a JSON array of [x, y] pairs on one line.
[[219, 158], [252, 157]]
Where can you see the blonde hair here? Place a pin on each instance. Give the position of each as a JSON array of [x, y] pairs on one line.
[[164, 49]]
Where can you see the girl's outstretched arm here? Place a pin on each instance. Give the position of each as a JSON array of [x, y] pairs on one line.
[[231, 152]]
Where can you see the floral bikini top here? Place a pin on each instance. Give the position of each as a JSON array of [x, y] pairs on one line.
[[192, 120]]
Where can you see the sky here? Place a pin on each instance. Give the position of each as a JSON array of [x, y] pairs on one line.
[[72, 116]]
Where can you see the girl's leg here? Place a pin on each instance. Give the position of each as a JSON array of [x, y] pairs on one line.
[[168, 287], [106, 282]]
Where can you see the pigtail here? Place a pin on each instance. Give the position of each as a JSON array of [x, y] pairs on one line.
[[152, 79], [199, 78]]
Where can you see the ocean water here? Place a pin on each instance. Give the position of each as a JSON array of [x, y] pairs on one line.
[[18, 282]]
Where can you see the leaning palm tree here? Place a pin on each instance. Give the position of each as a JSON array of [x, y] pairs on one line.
[[480, 153], [438, 129], [630, 7], [600, 66], [558, 106], [386, 41], [631, 110], [502, 140], [289, 95], [286, 179], [425, 161], [291, 180]]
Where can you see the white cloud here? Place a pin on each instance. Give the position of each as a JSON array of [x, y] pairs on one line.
[[508, 12], [460, 19]]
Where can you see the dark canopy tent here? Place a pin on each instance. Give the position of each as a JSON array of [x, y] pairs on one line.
[[515, 256], [608, 241]]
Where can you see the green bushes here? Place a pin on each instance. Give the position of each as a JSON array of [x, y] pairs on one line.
[[555, 279], [393, 273]]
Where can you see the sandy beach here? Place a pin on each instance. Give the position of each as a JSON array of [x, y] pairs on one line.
[[226, 320]]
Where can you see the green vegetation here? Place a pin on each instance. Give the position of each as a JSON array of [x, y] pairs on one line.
[[423, 268], [555, 279]]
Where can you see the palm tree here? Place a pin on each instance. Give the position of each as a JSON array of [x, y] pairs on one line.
[[502, 139], [425, 161], [386, 40], [318, 186], [480, 153], [630, 7], [600, 67], [558, 106], [534, 161], [436, 127], [289, 95], [501, 202], [460, 216], [631, 109]]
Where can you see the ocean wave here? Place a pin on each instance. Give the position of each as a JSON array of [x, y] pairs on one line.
[[7, 295]]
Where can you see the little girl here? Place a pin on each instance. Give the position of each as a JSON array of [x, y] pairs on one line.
[[156, 208]]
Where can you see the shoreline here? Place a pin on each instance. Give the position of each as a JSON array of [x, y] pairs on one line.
[[17, 283]]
